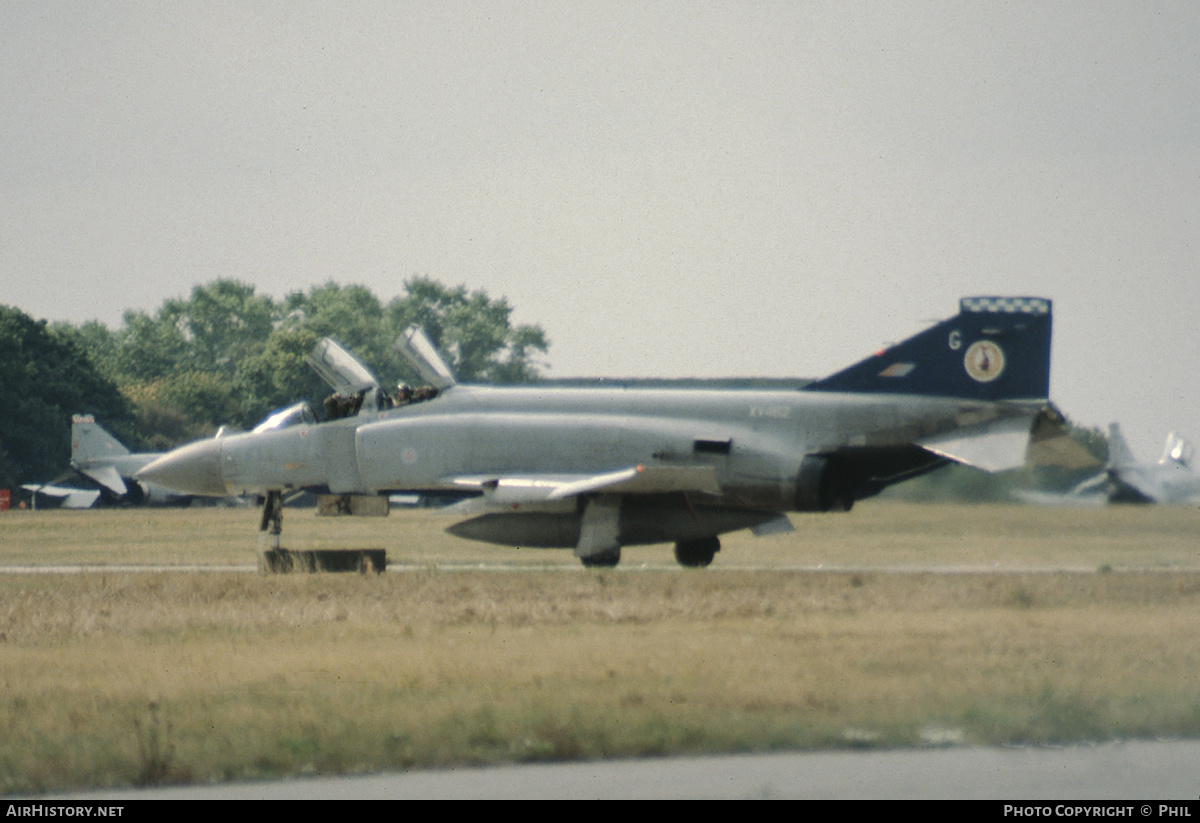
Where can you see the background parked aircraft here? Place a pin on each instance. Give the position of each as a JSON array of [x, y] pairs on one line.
[[1173, 479], [102, 458]]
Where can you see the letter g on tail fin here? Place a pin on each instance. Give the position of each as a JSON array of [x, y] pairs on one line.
[[996, 348]]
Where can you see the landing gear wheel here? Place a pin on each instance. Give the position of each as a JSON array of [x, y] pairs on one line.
[[696, 554], [604, 560]]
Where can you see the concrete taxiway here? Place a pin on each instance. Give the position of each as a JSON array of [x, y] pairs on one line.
[[1135, 771]]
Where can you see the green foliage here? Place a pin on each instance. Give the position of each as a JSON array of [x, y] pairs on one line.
[[350, 314], [45, 377], [474, 331], [228, 355], [181, 407], [277, 374], [163, 424], [146, 349], [223, 323]]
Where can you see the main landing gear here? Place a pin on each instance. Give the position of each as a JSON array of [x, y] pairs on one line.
[[696, 554]]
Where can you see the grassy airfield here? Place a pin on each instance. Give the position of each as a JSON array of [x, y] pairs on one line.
[[893, 625]]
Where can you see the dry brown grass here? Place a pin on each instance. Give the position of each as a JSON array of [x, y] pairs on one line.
[[117, 678]]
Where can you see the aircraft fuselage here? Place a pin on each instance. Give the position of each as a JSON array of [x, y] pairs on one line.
[[598, 468], [754, 441]]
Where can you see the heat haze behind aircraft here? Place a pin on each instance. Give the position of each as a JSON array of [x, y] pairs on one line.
[[597, 469]]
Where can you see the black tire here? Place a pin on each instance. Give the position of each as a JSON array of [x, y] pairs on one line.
[[696, 554]]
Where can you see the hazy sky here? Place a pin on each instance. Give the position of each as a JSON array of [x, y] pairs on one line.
[[668, 188]]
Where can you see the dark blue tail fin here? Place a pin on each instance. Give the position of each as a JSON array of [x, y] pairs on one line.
[[997, 348]]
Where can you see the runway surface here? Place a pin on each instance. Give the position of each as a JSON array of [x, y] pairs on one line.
[[1136, 771], [400, 568]]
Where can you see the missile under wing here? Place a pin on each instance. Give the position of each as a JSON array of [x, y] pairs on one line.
[[598, 469]]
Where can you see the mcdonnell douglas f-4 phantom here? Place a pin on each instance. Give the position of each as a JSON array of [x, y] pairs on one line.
[[598, 469], [1124, 480], [102, 458]]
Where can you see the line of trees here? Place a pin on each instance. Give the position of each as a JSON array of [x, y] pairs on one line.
[[227, 355], [45, 376]]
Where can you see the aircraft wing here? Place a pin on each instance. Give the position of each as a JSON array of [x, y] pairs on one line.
[[72, 498], [633, 480]]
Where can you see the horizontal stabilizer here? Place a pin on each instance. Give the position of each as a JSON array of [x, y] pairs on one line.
[[108, 477], [1132, 486], [993, 447]]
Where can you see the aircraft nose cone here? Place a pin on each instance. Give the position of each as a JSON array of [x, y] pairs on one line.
[[191, 469]]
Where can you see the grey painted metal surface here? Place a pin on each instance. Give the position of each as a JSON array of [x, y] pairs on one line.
[[598, 469]]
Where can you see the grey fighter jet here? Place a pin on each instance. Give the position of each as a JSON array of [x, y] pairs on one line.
[[102, 458], [1124, 480], [597, 469]]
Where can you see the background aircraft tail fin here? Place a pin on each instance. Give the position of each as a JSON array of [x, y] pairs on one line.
[[1177, 451], [90, 442], [1119, 453], [996, 348]]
